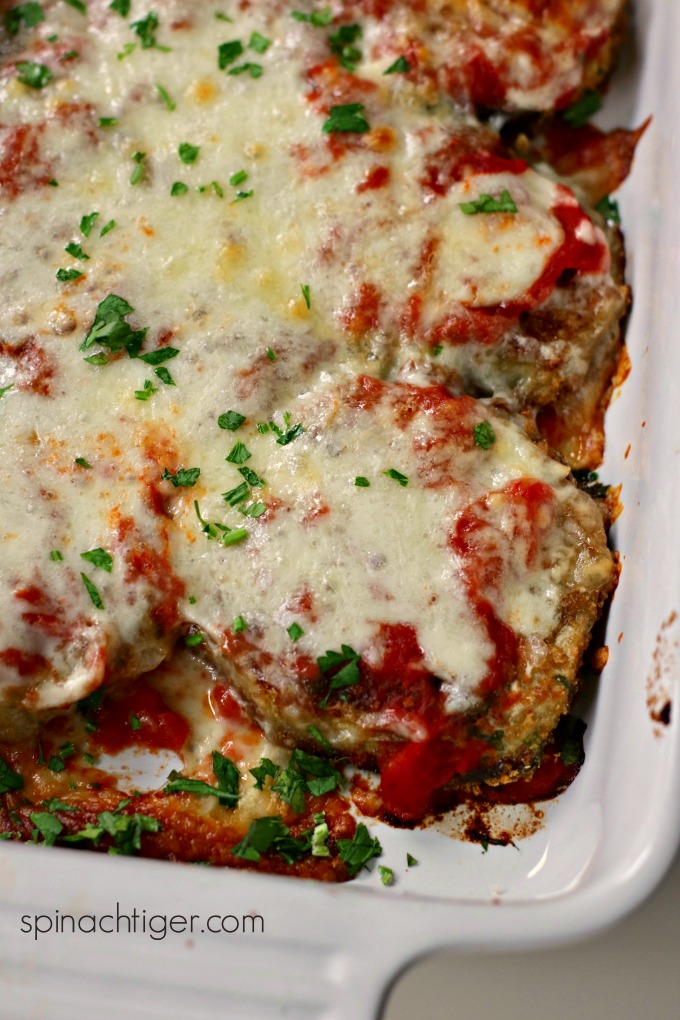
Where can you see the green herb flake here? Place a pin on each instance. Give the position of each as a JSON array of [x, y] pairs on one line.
[[251, 477], [346, 118], [361, 482], [608, 208], [105, 122], [78, 4], [138, 172], [489, 204], [580, 112], [484, 435], [284, 437], [145, 30], [53, 183], [74, 249], [56, 556], [169, 103], [178, 188], [235, 496], [47, 826], [9, 779], [262, 428], [184, 478], [81, 462], [271, 354], [241, 196], [253, 510], [66, 275], [342, 46], [122, 7], [188, 153], [259, 43], [319, 19], [128, 48], [234, 536], [254, 70], [110, 330], [397, 476], [238, 454], [5, 389], [107, 228], [386, 875], [320, 739], [307, 294], [92, 592], [147, 392], [228, 780], [344, 667], [239, 625], [194, 640], [411, 861], [227, 53], [231, 421], [36, 76], [97, 359], [135, 722], [164, 376], [224, 17], [320, 836], [99, 558], [400, 66], [29, 14], [158, 356], [436, 350], [295, 631], [357, 852], [87, 223], [238, 178]]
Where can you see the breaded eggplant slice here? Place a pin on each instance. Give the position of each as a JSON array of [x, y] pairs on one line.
[[418, 582]]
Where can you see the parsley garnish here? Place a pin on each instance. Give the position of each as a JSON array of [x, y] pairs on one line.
[[107, 228], [227, 53], [146, 30], [97, 359], [271, 354], [397, 476], [411, 861], [6, 389], [99, 558], [231, 420], [178, 188], [341, 44], [227, 536], [87, 223], [295, 631], [121, 6], [138, 172], [9, 779], [110, 330], [147, 392], [488, 204], [73, 248], [238, 178], [259, 43], [158, 356], [400, 66], [92, 592], [125, 830], [135, 722], [78, 4], [319, 836], [386, 875], [317, 18], [484, 435], [361, 482], [580, 112], [320, 739], [65, 275], [250, 476], [287, 436], [188, 153], [31, 14], [264, 769], [346, 118], [170, 105], [271, 834], [437, 349], [193, 640], [241, 195], [238, 454], [343, 665], [81, 462], [237, 495], [228, 779], [56, 556], [253, 510], [108, 121], [239, 625], [254, 70], [609, 209], [184, 478], [57, 762], [306, 293], [47, 826], [358, 851], [164, 376]]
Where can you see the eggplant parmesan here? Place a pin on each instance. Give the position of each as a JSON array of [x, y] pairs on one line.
[[285, 328]]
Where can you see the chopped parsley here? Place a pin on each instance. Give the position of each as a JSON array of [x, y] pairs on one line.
[[305, 773], [98, 558], [57, 762], [158, 356], [242, 195], [320, 836], [36, 76], [238, 454], [188, 153], [259, 43], [56, 556], [178, 188], [271, 354], [227, 53], [30, 14], [135, 722], [437, 349], [169, 103], [107, 228], [73, 248], [121, 6], [284, 437], [65, 275], [319, 19], [306, 293], [6, 389], [386, 875], [224, 17], [295, 631], [264, 769], [108, 121], [97, 359], [110, 330], [193, 640], [226, 536], [400, 66], [239, 625], [489, 204], [47, 826], [238, 178], [411, 861], [147, 392], [9, 779], [87, 223], [184, 478], [357, 852], [346, 118], [237, 495], [228, 780], [609, 209], [231, 420], [484, 435], [250, 476], [145, 29], [271, 834], [397, 476], [580, 112], [342, 667], [125, 831], [78, 4], [361, 482], [81, 462], [254, 70], [164, 376], [320, 739], [92, 592], [138, 172], [253, 510], [342, 46]]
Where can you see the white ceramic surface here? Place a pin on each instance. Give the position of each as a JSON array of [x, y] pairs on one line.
[[331, 951]]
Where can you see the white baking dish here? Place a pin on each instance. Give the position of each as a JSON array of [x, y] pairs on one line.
[[332, 951]]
